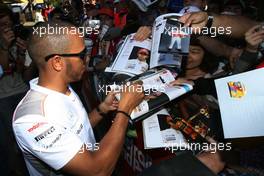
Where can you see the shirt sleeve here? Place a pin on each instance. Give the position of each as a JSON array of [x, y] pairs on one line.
[[49, 142]]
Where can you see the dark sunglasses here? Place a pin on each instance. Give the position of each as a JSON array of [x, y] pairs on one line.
[[81, 55]]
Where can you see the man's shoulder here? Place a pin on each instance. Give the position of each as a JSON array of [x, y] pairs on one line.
[[31, 104], [36, 103]]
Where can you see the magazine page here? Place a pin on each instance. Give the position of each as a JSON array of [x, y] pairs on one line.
[[148, 2], [241, 102], [170, 41], [133, 58], [157, 133], [144, 3], [175, 91], [158, 92], [109, 70]]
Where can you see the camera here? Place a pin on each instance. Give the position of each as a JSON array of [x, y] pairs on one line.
[[21, 32], [261, 46]]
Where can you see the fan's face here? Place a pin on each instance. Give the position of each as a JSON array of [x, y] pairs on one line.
[[195, 57]]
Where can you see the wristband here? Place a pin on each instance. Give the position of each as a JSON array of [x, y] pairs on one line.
[[209, 22], [123, 112]]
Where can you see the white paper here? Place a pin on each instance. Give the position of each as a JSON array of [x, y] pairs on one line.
[[155, 84], [169, 41], [154, 137], [243, 114], [127, 60]]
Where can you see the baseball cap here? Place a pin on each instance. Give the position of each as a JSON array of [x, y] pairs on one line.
[[106, 11]]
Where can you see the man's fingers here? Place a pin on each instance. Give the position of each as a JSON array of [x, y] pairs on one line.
[[259, 33], [133, 88], [8, 30], [148, 97], [22, 42], [253, 29], [183, 18], [112, 93], [256, 40], [142, 33], [194, 19], [180, 81], [115, 104], [139, 82], [176, 82], [9, 35], [137, 35], [210, 140], [189, 21], [112, 108], [22, 46]]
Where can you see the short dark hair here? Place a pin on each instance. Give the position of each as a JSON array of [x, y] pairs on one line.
[[5, 11], [41, 46], [210, 62]]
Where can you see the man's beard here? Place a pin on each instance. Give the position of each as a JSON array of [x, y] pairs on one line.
[[72, 75]]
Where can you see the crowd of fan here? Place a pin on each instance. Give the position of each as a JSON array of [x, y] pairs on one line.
[[209, 57]]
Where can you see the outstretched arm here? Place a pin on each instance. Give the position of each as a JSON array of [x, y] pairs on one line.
[[239, 25], [103, 161]]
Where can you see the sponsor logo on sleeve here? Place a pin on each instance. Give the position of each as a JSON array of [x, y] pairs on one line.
[[36, 126], [44, 134]]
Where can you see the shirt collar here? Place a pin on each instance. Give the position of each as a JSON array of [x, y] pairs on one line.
[[34, 86]]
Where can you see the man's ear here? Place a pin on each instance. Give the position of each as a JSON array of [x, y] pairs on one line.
[[57, 63]]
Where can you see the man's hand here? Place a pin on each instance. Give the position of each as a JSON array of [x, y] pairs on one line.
[[254, 37], [21, 48], [110, 103], [143, 33], [7, 37], [131, 97], [234, 56], [180, 81], [196, 20], [212, 159], [21, 44]]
